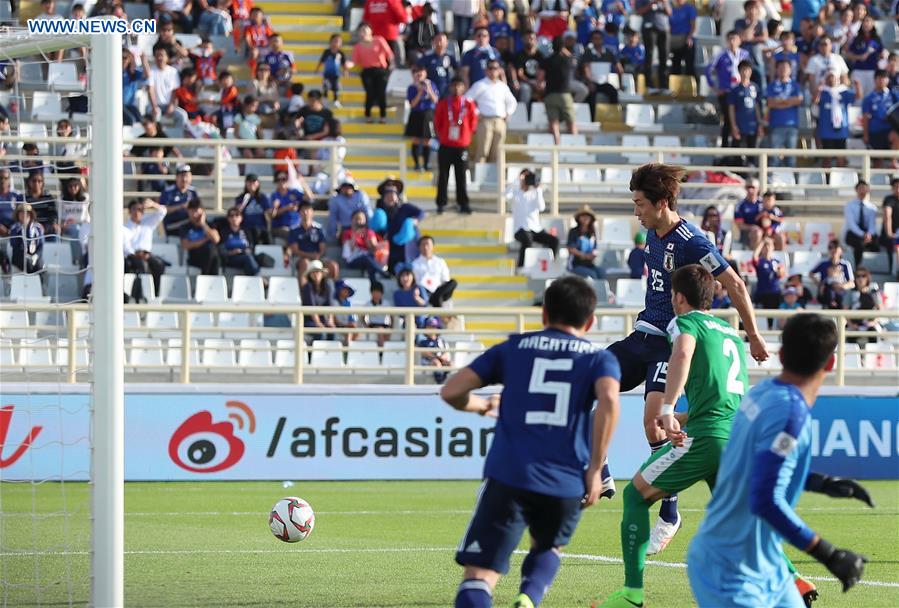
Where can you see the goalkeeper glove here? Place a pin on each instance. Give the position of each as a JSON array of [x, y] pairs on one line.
[[838, 487], [847, 566]]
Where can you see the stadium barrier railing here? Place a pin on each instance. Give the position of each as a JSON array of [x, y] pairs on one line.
[[762, 169], [523, 317], [215, 162]]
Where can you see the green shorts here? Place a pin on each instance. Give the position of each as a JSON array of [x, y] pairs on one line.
[[674, 469], [560, 107]]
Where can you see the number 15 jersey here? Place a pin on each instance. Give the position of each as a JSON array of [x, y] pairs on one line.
[[543, 434], [682, 245]]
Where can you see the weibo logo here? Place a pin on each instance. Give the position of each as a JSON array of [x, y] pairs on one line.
[[200, 445]]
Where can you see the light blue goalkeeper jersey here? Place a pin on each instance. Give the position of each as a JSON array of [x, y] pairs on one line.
[[736, 553]]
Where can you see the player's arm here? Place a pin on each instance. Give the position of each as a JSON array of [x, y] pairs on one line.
[[457, 393], [678, 369], [605, 419], [837, 487], [739, 295], [771, 472]]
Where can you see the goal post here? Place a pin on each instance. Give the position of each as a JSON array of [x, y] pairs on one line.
[[104, 90], [108, 412]]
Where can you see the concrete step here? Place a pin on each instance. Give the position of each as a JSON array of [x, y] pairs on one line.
[[494, 324], [294, 22], [356, 111], [508, 283], [469, 235], [291, 36], [350, 83], [274, 7], [362, 128], [472, 249], [493, 294]]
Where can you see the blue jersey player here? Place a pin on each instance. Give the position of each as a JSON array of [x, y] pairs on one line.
[[736, 557], [670, 243], [546, 459]]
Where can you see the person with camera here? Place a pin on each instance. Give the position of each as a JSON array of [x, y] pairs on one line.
[[527, 203]]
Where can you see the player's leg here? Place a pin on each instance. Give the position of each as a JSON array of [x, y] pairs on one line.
[[668, 471], [552, 522], [633, 372], [493, 533]]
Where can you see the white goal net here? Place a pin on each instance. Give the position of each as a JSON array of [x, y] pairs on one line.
[[61, 457]]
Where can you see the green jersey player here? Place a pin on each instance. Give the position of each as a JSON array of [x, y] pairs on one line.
[[708, 359]]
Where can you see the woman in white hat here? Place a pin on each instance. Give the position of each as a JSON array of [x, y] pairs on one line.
[[318, 291]]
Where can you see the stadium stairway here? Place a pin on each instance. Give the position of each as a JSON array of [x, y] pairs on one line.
[[483, 266]]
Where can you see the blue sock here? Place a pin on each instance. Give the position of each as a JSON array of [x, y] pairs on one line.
[[537, 573], [473, 593], [668, 508]]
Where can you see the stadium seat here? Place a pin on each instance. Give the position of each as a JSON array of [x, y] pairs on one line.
[[670, 114], [539, 262], [362, 287], [37, 130], [173, 288], [82, 356], [36, 353], [879, 355], [131, 319], [876, 261], [891, 294], [285, 354], [817, 235], [146, 284], [255, 353], [232, 319], [364, 355], [248, 290], [743, 258], [15, 324], [607, 114], [639, 115], [465, 352], [218, 352], [683, 85], [599, 71], [27, 288], [669, 143], [326, 353], [46, 106], [519, 120], [157, 319], [636, 141], [276, 252], [630, 292], [170, 252], [394, 355], [58, 257], [603, 292], [63, 76], [212, 289], [567, 140], [283, 290], [616, 232], [539, 119], [613, 325], [173, 353], [539, 140], [8, 355]]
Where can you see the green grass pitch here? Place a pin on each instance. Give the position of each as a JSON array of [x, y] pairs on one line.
[[375, 544]]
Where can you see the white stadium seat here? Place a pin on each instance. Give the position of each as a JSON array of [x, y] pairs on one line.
[[630, 292], [218, 352], [248, 290], [283, 290], [255, 353], [212, 289], [326, 353]]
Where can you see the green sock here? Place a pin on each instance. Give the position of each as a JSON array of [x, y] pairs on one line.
[[790, 565], [634, 539]]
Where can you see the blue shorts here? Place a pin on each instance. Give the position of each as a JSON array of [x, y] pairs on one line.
[[500, 517], [714, 587], [643, 358]]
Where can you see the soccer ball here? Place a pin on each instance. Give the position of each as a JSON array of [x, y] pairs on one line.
[[291, 519]]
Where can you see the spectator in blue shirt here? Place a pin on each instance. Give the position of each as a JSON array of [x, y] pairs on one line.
[[805, 9], [683, 27], [307, 242], [9, 198], [474, 62], [769, 272], [636, 259], [878, 133], [833, 116], [586, 22], [633, 53], [860, 223], [285, 203], [199, 240], [176, 198], [833, 276], [864, 50], [409, 294], [746, 212], [422, 98], [341, 208], [788, 52], [784, 97], [499, 26], [256, 210], [745, 108], [770, 220], [723, 75], [236, 246], [615, 11], [133, 78], [441, 66], [27, 240]]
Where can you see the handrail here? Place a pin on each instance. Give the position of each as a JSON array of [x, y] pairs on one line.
[[298, 313]]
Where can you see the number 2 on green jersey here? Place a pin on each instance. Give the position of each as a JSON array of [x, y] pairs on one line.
[[734, 385]]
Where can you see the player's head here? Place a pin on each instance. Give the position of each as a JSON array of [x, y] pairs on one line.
[[692, 288], [569, 302], [655, 187], [809, 341]]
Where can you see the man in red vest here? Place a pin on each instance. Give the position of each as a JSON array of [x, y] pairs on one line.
[[455, 120]]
